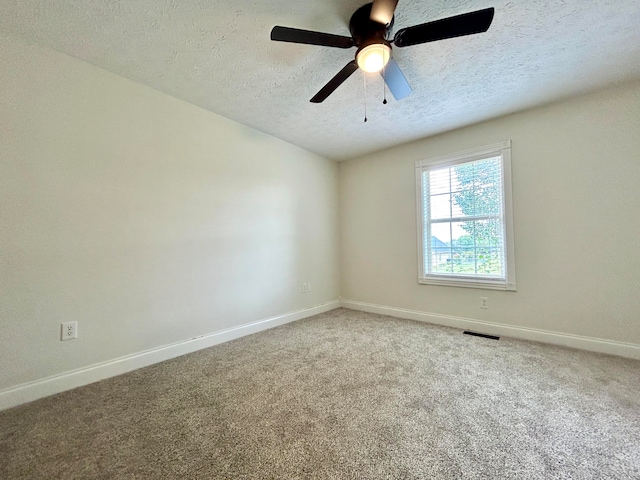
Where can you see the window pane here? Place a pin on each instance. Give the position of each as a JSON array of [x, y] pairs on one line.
[[464, 261], [441, 247], [456, 208], [439, 181], [440, 206], [478, 248], [489, 261], [464, 174], [488, 233], [463, 247], [442, 231], [479, 188], [487, 200]]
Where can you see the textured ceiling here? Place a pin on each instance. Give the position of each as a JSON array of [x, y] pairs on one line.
[[217, 54]]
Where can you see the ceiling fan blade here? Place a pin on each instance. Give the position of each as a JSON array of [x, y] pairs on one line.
[[295, 35], [395, 80], [335, 82], [458, 26], [382, 11]]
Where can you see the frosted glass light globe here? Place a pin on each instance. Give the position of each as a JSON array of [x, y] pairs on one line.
[[374, 57]]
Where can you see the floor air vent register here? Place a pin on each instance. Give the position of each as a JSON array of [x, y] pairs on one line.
[[483, 335]]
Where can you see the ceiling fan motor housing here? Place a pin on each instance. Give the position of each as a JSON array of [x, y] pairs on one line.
[[365, 31]]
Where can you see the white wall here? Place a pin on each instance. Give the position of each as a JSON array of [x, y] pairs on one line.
[[146, 219], [576, 193]]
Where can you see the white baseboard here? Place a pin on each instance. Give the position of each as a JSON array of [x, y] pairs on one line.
[[629, 350], [34, 390]]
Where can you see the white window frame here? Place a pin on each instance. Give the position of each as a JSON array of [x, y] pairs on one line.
[[502, 150]]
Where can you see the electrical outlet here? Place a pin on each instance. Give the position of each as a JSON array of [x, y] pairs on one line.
[[68, 330], [484, 302], [305, 288], [308, 287]]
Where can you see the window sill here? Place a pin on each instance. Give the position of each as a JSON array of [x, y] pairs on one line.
[[467, 282]]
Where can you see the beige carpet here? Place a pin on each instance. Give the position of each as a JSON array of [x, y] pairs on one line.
[[343, 395]]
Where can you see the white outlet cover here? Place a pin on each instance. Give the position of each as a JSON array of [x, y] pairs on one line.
[[68, 331]]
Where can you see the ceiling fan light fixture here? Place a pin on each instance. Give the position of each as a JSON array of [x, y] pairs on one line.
[[373, 57], [370, 27]]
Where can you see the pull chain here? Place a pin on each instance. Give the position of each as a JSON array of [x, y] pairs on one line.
[[384, 86], [364, 81]]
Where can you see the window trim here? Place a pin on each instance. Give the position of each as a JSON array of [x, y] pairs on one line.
[[502, 149]]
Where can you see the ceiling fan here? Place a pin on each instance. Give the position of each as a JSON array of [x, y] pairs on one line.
[[369, 27]]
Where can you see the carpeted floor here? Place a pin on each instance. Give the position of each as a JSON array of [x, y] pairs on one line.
[[343, 395]]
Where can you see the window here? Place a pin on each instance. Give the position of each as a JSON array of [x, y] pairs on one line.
[[465, 228]]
